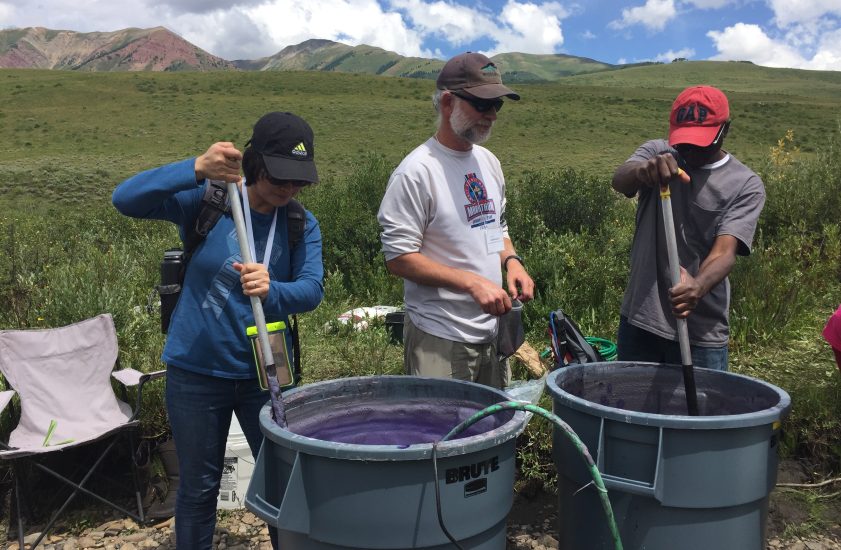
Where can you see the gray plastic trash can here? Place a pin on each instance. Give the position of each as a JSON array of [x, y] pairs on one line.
[[325, 494], [674, 481]]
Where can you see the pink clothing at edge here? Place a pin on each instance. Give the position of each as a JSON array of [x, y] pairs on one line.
[[832, 334]]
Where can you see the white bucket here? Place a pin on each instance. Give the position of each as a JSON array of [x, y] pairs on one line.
[[237, 470]]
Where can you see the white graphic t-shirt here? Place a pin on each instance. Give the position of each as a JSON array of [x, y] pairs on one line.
[[449, 206]]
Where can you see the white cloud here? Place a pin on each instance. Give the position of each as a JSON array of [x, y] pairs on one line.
[[6, 12], [710, 4], [828, 56], [587, 35], [242, 37], [750, 42], [787, 12], [654, 15], [284, 22], [529, 28], [92, 15], [666, 57], [520, 26], [453, 23], [356, 21]]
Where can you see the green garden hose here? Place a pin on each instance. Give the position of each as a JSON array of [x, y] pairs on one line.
[[571, 435], [606, 348]]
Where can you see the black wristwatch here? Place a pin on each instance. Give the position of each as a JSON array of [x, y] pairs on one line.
[[512, 257]]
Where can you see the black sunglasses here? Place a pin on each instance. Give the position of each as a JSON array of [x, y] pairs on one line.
[[481, 105], [294, 183]]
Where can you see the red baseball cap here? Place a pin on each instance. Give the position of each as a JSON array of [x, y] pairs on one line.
[[697, 115]]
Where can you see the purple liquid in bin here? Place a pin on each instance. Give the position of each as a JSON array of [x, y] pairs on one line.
[[401, 423]]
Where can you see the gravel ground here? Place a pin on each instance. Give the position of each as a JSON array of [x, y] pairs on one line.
[[531, 526]]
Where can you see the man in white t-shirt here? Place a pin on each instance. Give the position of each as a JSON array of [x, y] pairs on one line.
[[715, 208], [444, 232]]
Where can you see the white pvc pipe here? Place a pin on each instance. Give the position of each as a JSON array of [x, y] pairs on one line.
[[257, 308]]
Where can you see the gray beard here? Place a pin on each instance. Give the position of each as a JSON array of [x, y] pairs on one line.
[[467, 130]]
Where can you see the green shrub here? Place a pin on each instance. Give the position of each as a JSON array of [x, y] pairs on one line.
[[346, 209], [801, 191], [778, 287], [784, 291], [582, 273], [562, 200]]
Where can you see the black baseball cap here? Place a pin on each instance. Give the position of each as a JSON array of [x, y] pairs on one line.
[[285, 141]]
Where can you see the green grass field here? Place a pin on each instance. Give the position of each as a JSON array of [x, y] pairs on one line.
[[96, 128], [70, 138]]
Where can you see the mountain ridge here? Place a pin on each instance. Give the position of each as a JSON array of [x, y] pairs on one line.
[[159, 49]]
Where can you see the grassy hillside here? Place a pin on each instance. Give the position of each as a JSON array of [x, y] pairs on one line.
[[523, 67], [74, 135], [730, 76]]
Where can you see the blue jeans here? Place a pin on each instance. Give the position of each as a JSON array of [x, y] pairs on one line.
[[199, 409], [636, 344]]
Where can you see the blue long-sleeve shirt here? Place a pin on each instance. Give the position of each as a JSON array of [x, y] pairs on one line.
[[207, 330]]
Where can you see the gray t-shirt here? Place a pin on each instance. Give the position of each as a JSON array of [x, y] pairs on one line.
[[722, 199]]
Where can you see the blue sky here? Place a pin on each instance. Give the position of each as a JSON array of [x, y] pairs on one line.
[[779, 33]]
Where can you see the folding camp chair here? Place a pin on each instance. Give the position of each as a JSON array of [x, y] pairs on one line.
[[66, 400]]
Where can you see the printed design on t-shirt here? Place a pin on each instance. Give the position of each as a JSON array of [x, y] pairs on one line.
[[480, 209], [228, 278], [225, 280]]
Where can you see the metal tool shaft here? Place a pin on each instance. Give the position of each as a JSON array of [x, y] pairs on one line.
[[682, 327]]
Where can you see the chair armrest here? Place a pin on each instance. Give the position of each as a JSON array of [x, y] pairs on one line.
[[132, 377], [5, 397]]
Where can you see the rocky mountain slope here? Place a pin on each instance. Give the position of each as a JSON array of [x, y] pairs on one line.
[[156, 49]]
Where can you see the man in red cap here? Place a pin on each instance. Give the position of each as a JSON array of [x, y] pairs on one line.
[[444, 231], [716, 201]]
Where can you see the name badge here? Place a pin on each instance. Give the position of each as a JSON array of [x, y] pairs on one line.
[[493, 239]]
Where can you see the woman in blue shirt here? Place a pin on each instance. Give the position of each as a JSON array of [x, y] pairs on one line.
[[210, 366]]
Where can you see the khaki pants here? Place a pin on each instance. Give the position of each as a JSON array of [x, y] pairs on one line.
[[428, 355]]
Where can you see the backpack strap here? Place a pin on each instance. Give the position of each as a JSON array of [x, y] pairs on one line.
[[214, 203], [296, 222]]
